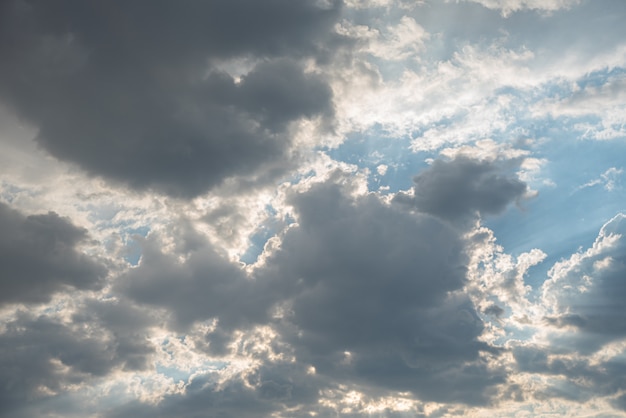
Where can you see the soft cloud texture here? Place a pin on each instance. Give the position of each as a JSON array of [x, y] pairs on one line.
[[586, 292], [120, 91], [463, 188], [507, 7], [349, 208], [40, 256], [369, 283]]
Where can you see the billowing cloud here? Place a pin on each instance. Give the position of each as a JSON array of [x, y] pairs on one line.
[[586, 293], [362, 291], [126, 93], [284, 208], [459, 189], [40, 256], [204, 285], [44, 356], [373, 297]]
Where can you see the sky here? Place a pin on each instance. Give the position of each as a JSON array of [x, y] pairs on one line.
[[300, 208]]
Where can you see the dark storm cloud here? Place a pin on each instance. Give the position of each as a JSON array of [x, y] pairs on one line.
[[132, 91], [39, 256], [456, 190]]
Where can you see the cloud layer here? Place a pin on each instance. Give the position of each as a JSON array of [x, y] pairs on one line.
[[380, 208]]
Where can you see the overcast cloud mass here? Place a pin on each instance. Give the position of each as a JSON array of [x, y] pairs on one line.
[[296, 208]]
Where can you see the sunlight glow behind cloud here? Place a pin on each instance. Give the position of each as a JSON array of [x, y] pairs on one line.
[[351, 208]]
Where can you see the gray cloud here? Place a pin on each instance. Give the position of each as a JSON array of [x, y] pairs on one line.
[[458, 189], [355, 275], [39, 256], [374, 280], [41, 356], [206, 285], [132, 92], [585, 299], [572, 377], [368, 293], [234, 400], [273, 387], [126, 323], [587, 293]]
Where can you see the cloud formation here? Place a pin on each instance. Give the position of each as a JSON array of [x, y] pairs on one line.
[[369, 283], [460, 189], [57, 356], [284, 208], [363, 291], [40, 256], [124, 93], [586, 292]]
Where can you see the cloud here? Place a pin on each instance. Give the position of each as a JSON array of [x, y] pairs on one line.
[[569, 376], [608, 179], [271, 388], [40, 256], [133, 92], [204, 285], [598, 108], [507, 7], [372, 297], [364, 292], [190, 139], [458, 189], [42, 357], [585, 293], [402, 41]]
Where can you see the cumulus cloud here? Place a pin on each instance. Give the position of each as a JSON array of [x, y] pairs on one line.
[[203, 285], [579, 342], [372, 297], [586, 292], [279, 387], [363, 292], [40, 256], [458, 189], [57, 356], [133, 93], [240, 131]]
